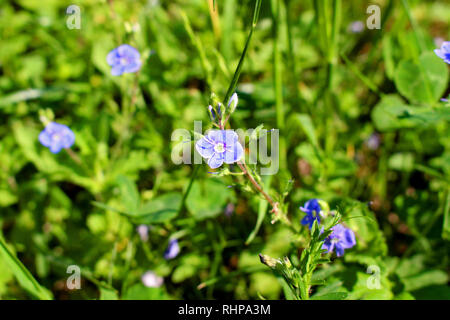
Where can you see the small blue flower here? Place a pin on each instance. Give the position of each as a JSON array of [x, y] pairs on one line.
[[124, 59], [173, 249], [56, 136], [310, 207], [220, 146], [444, 52], [340, 239]]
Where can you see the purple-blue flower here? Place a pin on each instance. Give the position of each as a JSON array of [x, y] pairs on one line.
[[56, 136], [340, 239], [173, 249], [220, 146], [444, 52], [312, 210], [124, 59]]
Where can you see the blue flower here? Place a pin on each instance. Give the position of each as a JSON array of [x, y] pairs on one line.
[[220, 146], [56, 136], [173, 249], [124, 59], [340, 239], [310, 207], [444, 52]]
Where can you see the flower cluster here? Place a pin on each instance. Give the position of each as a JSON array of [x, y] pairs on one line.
[[341, 238]]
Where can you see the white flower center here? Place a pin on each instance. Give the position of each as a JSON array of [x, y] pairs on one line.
[[56, 137], [219, 148]]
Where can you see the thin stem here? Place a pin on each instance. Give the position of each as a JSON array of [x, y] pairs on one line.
[[244, 169]]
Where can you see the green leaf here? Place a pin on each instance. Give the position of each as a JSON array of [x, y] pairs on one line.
[[425, 279], [391, 113], [207, 198], [23, 276], [424, 81], [160, 209], [129, 193]]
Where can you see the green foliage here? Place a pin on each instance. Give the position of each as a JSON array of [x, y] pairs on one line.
[[361, 126]]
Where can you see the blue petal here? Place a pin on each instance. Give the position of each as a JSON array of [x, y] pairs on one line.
[[128, 51], [216, 136], [339, 250], [216, 160], [233, 153], [132, 67], [117, 70], [55, 147], [205, 148], [44, 138], [112, 58], [348, 239]]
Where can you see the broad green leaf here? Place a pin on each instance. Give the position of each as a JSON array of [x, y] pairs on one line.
[[424, 81], [424, 279], [391, 113], [160, 209], [207, 198]]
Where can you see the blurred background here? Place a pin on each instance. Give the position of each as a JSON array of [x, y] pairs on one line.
[[355, 129]]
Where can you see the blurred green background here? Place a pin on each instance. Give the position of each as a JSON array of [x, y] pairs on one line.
[[358, 131]]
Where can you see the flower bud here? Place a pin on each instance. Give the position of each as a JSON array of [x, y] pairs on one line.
[[268, 261], [232, 103]]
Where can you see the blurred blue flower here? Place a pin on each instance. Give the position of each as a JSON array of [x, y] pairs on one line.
[[356, 27], [173, 249], [152, 280], [444, 52], [220, 146], [56, 136], [124, 59], [229, 209], [373, 142], [310, 207], [340, 239], [142, 230]]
